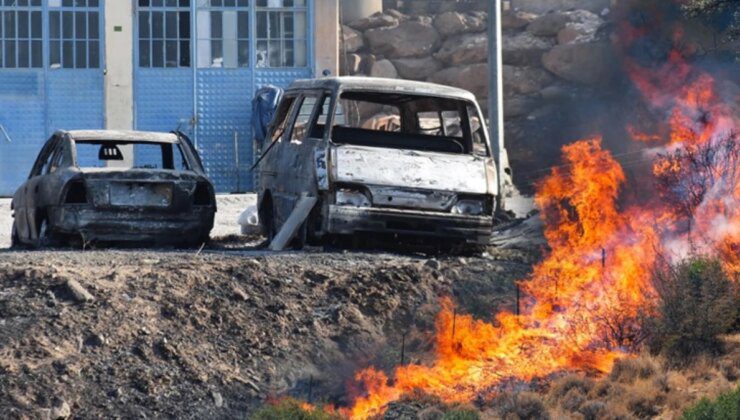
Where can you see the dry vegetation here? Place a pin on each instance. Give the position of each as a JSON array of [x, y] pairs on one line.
[[641, 387], [692, 358]]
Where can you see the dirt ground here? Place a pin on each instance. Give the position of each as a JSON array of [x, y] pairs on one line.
[[163, 333], [129, 333]]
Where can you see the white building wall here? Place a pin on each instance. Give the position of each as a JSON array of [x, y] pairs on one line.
[[119, 59]]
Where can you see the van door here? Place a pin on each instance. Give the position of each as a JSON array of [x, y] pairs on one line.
[[305, 136]]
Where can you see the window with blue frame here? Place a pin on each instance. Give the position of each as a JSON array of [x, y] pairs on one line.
[[74, 34], [282, 33], [223, 33], [164, 33], [21, 39]]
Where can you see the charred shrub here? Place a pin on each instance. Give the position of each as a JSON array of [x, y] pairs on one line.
[[697, 302]]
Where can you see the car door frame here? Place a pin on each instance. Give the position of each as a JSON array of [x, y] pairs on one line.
[[302, 179], [269, 167], [24, 200]]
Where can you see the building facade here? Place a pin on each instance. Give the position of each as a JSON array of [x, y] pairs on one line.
[[161, 65]]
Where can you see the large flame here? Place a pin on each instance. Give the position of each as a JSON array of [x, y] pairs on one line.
[[582, 301]]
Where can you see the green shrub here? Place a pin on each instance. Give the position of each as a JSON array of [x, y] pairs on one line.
[[290, 409], [725, 407], [697, 302]]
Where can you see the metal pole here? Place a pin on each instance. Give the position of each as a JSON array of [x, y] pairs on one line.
[[496, 88]]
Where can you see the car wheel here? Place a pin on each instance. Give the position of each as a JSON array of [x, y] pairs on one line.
[[269, 222], [15, 241], [44, 237], [202, 239], [301, 237]]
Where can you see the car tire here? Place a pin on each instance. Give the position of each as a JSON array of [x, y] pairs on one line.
[[202, 239], [44, 236], [301, 236], [15, 241], [267, 218]]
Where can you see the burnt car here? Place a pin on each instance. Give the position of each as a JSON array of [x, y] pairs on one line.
[[115, 186], [404, 158]]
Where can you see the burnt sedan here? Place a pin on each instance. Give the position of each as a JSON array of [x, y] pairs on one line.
[[115, 186]]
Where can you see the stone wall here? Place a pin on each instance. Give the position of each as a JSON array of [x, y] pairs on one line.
[[438, 41]]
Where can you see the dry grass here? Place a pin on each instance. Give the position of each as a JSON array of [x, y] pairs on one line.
[[637, 388]]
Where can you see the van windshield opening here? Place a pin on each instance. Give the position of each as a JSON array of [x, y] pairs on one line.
[[130, 155], [405, 121]]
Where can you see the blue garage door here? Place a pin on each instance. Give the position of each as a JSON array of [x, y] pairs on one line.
[[51, 77], [199, 63]]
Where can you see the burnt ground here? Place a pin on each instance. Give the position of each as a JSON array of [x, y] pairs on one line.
[[215, 334]]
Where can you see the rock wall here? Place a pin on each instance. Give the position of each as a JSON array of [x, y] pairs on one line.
[[552, 60]]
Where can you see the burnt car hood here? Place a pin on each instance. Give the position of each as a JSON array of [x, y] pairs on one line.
[[409, 169]]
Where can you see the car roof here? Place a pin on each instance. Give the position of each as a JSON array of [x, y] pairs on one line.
[[121, 135], [382, 85]]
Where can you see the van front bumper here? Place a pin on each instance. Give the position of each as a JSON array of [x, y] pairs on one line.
[[350, 220]]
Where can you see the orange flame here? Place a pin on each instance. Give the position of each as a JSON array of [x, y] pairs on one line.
[[585, 296], [583, 300], [579, 297]]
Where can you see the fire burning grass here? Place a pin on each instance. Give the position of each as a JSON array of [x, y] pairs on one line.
[[584, 300], [582, 303]]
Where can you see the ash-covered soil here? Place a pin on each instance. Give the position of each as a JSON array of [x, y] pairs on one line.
[[213, 335]]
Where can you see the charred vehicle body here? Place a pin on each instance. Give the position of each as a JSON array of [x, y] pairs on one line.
[[115, 186], [382, 156]]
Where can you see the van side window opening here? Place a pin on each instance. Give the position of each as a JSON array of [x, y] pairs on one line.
[[403, 121], [318, 128], [300, 127], [480, 148], [281, 118]]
